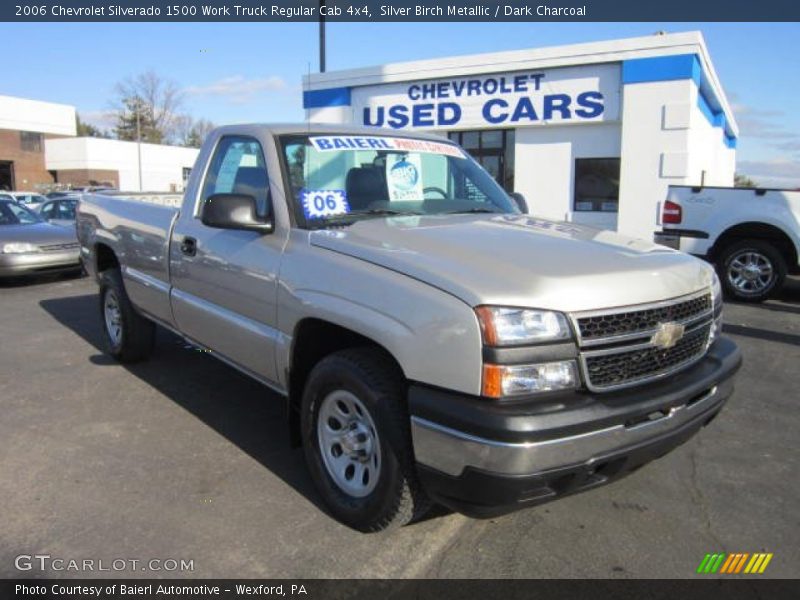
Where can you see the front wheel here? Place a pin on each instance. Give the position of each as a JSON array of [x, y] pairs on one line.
[[751, 270], [357, 440]]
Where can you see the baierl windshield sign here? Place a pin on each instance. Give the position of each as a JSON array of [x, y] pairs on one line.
[[513, 99]]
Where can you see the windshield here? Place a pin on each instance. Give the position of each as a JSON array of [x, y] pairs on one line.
[[12, 213], [342, 178]]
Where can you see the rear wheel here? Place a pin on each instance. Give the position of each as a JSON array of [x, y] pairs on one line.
[[357, 440], [751, 270], [129, 336]]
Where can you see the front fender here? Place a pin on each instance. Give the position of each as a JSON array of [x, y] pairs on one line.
[[434, 336]]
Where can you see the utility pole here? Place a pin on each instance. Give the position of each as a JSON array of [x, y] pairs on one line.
[[321, 36], [139, 139]]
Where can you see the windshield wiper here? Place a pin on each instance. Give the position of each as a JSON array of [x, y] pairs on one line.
[[468, 211], [345, 218], [386, 212]]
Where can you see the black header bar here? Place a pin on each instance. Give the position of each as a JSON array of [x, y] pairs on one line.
[[399, 10], [416, 589]]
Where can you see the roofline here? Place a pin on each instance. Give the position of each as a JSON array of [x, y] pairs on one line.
[[35, 101], [93, 139]]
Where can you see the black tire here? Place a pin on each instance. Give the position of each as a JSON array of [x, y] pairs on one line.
[[370, 376], [136, 336], [766, 254]]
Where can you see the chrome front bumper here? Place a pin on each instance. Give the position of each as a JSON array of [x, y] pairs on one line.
[[451, 452], [458, 436]]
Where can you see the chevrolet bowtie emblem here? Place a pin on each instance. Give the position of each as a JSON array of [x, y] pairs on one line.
[[668, 335]]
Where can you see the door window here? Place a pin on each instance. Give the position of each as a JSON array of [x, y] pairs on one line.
[[66, 210], [49, 211], [238, 167]]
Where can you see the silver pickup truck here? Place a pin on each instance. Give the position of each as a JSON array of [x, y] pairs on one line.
[[433, 342]]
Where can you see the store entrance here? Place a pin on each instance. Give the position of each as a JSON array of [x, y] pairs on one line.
[[493, 149], [6, 175]]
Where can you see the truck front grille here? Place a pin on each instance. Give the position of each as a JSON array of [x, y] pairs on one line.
[[606, 325], [619, 348], [631, 366]]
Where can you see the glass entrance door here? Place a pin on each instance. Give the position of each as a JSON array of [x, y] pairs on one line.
[[493, 149]]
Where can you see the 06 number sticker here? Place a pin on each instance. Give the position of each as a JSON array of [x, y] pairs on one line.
[[318, 204]]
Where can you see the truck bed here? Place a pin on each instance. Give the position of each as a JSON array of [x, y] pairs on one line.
[[136, 226]]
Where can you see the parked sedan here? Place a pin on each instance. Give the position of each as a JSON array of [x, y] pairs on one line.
[[28, 244]]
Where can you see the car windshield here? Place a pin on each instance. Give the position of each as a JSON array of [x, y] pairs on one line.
[[12, 213], [343, 178]]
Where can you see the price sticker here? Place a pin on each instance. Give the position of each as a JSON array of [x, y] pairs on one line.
[[318, 204]]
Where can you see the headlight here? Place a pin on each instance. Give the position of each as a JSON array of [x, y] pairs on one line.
[[500, 381], [517, 326], [716, 291], [18, 248], [716, 323]]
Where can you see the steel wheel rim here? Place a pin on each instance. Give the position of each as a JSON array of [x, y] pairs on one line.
[[113, 317], [349, 443], [750, 272]]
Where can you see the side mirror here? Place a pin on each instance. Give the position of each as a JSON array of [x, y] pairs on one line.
[[519, 199], [234, 211]]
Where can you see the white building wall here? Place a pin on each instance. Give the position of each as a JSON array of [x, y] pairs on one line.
[[711, 161], [666, 140], [656, 117], [545, 168], [21, 114], [162, 166]]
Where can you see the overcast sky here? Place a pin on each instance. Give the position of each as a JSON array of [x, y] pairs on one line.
[[252, 72]]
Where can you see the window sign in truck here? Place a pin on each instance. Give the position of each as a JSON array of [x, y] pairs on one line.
[[432, 341]]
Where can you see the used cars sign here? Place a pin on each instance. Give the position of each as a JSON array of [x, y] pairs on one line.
[[573, 94]]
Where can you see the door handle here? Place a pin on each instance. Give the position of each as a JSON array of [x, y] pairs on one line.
[[189, 246]]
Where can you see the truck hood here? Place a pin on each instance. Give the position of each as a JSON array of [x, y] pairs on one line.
[[520, 260]]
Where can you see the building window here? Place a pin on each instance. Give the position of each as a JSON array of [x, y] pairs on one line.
[[493, 149], [596, 184], [30, 141], [186, 172]]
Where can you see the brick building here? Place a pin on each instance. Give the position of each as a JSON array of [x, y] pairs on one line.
[[39, 148], [25, 125]]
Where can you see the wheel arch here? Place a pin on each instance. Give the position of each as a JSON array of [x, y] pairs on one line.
[[105, 258], [314, 339], [760, 231]]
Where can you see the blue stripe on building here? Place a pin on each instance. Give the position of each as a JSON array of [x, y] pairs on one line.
[[327, 97], [662, 68], [679, 67]]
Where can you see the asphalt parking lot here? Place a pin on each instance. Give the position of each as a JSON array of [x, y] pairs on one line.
[[184, 458]]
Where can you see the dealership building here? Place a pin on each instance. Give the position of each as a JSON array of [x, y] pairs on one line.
[[589, 133], [39, 149]]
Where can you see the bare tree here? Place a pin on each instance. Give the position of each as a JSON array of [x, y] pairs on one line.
[[201, 128], [183, 129], [154, 101], [191, 133], [741, 180]]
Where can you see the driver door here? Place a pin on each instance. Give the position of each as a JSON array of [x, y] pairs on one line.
[[224, 280]]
